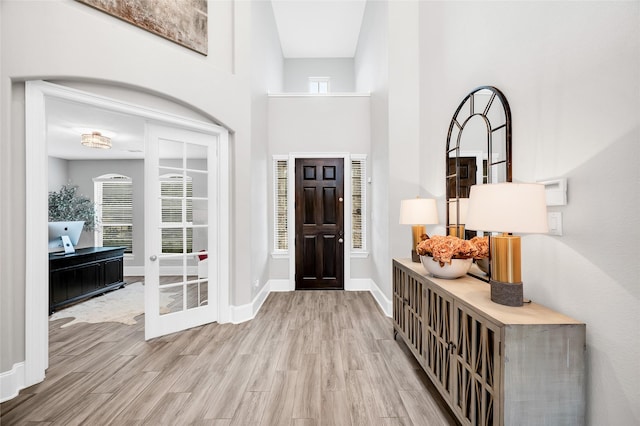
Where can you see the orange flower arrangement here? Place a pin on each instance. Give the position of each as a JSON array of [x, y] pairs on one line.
[[445, 248]]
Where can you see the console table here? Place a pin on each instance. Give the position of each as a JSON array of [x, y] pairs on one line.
[[83, 274], [493, 364]]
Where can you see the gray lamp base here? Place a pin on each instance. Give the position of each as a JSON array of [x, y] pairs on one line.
[[508, 294]]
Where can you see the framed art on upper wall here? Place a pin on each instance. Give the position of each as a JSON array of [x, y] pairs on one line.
[[184, 22]]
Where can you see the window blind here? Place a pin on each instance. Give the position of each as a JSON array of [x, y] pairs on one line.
[[281, 236], [114, 198], [176, 194], [358, 204]]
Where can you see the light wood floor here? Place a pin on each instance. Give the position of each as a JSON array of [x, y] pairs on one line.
[[308, 358]]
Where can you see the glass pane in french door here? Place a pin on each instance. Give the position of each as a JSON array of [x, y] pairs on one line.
[[184, 230], [197, 157]]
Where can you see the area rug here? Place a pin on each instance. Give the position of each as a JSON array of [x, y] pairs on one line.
[[122, 305]]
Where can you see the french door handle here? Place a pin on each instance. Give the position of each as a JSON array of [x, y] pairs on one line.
[[153, 258], [340, 240]]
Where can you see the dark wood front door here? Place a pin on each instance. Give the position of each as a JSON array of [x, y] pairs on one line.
[[466, 174], [319, 223]]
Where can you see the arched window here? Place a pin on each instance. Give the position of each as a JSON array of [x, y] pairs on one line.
[[113, 195]]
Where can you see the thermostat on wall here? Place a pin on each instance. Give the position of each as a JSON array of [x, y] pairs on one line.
[[555, 191]]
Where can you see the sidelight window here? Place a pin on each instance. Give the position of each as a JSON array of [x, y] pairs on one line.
[[358, 203], [280, 232]]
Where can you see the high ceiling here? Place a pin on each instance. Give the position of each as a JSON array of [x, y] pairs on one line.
[[307, 29], [318, 28]]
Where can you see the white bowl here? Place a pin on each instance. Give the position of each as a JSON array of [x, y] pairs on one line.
[[457, 268]]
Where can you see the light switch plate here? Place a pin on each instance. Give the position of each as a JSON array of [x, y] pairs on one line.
[[555, 191], [554, 220]]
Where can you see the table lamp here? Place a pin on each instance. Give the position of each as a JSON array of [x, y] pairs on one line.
[[418, 212], [506, 208]]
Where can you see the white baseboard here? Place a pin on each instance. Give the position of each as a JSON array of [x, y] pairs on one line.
[[385, 304], [11, 382], [367, 284], [138, 271], [280, 285], [358, 284], [247, 312]]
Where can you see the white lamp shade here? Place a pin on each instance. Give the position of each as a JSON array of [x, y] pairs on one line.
[[507, 207], [453, 206], [418, 211]]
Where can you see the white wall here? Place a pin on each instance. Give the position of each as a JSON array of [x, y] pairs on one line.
[[317, 124], [371, 71], [58, 173], [266, 76], [404, 125], [339, 70], [571, 73]]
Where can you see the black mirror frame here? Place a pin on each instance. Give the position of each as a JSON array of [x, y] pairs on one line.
[[455, 123]]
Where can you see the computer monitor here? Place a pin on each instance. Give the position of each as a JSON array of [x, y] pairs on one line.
[[65, 235]]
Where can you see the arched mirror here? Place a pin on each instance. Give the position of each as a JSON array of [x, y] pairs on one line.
[[478, 152]]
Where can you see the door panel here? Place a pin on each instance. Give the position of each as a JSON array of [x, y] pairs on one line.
[[329, 199], [319, 223], [181, 192]]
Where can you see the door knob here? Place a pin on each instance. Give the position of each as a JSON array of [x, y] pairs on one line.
[[340, 240], [153, 258]]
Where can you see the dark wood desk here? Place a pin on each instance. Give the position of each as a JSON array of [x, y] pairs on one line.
[[87, 272]]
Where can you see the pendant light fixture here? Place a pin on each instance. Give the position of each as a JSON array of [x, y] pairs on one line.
[[96, 140]]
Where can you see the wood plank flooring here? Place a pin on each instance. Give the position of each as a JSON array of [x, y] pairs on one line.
[[308, 358]]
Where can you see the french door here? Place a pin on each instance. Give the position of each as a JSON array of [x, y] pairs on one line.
[[181, 230]]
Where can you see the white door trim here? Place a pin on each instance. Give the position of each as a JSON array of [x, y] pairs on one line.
[[36, 256]]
